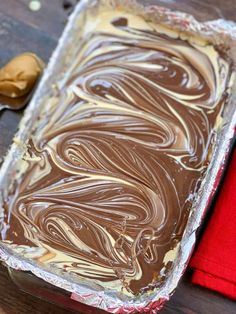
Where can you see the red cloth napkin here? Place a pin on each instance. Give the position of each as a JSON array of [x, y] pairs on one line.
[[214, 261]]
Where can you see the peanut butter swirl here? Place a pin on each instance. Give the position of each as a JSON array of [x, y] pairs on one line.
[[112, 172]]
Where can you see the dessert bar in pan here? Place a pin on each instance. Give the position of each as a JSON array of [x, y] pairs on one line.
[[119, 153]]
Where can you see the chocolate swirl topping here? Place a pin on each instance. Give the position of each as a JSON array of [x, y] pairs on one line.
[[112, 175]]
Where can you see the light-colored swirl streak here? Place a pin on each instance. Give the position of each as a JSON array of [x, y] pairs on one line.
[[112, 175]]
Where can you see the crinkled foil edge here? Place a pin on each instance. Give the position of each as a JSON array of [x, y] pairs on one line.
[[219, 32]]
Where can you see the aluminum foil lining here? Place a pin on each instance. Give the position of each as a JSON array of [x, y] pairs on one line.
[[220, 32]]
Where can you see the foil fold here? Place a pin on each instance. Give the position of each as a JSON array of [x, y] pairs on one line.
[[219, 32]]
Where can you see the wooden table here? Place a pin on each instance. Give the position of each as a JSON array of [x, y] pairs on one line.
[[23, 30]]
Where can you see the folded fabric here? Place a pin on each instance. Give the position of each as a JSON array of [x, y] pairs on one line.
[[214, 261]]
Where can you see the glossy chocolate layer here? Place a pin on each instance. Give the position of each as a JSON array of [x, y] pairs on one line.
[[112, 173]]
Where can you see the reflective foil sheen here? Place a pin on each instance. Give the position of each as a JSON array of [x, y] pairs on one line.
[[97, 201]]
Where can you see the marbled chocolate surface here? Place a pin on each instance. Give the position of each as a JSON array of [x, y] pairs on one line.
[[112, 174]]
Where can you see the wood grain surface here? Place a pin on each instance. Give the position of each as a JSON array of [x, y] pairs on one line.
[[23, 30]]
